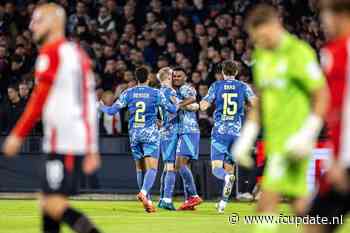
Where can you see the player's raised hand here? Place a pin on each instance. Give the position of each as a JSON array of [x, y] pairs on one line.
[[91, 163], [12, 145]]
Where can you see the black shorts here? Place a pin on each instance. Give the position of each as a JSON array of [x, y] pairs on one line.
[[62, 174], [333, 205]]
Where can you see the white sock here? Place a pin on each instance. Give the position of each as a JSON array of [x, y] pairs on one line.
[[167, 200], [223, 203], [227, 177]]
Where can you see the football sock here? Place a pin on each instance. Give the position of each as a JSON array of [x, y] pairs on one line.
[[186, 195], [139, 177], [188, 180], [226, 192], [50, 225], [219, 173], [169, 184], [162, 184], [78, 222], [148, 181]]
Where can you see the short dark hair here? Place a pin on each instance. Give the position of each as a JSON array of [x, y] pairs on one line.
[[337, 6], [179, 68], [260, 14], [230, 68], [13, 86], [141, 74]]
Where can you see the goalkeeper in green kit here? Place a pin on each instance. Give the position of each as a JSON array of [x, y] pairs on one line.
[[293, 100]]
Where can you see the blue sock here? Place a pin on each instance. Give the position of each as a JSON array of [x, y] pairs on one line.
[[187, 177], [148, 181], [139, 177], [169, 184], [185, 189], [162, 184], [219, 173]]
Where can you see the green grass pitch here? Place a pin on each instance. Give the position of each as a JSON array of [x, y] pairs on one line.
[[22, 216]]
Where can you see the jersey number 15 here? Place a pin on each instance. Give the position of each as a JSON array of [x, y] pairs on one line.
[[230, 105]]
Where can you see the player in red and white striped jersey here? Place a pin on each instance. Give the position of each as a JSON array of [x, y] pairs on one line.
[[65, 98], [334, 200]]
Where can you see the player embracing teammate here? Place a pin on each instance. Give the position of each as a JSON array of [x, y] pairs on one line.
[[143, 103], [169, 132]]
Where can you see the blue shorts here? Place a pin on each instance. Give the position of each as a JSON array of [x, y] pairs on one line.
[[141, 150], [221, 147], [144, 142], [168, 148], [188, 145]]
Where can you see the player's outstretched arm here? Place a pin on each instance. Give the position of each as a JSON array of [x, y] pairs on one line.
[[208, 99], [169, 106], [192, 107], [121, 103], [110, 110], [242, 148], [187, 101]]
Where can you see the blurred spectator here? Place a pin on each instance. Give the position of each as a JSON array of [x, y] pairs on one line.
[[122, 35], [11, 109], [79, 16], [24, 91], [105, 22]]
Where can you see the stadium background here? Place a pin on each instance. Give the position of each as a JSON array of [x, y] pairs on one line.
[[121, 36]]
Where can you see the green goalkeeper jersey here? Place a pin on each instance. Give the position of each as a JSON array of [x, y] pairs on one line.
[[285, 78]]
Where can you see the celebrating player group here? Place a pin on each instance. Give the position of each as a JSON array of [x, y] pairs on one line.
[[292, 101]]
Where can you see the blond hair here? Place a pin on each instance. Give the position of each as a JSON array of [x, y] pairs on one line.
[[164, 73]]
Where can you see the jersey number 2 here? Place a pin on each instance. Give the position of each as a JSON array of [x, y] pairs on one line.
[[139, 114], [230, 106]]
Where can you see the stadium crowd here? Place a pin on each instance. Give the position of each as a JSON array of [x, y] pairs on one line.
[[121, 35]]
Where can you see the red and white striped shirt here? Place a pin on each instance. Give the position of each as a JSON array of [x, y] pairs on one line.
[[336, 63], [65, 97]]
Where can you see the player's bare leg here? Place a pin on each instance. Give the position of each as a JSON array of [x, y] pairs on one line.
[[56, 210], [316, 228], [299, 206], [182, 166], [267, 205], [224, 172], [169, 184], [151, 166]]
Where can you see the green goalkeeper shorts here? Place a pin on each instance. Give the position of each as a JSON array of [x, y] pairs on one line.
[[285, 176]]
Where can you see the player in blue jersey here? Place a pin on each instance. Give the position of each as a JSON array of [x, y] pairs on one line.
[[230, 97], [188, 143], [143, 103], [169, 138]]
